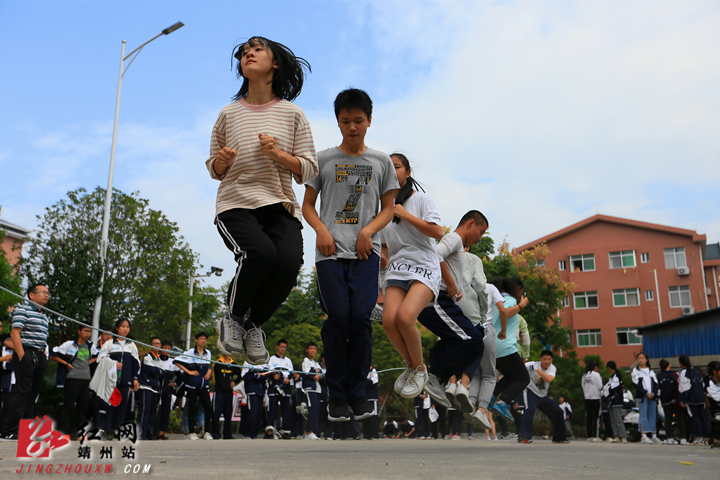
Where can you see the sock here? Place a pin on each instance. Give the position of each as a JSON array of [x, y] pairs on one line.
[[644, 435], [248, 324], [654, 436]]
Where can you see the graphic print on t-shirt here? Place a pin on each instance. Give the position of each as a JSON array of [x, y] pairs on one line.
[[356, 176]]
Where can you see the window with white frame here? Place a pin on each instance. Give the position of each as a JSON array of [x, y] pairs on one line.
[[561, 265], [680, 297], [675, 257], [582, 263], [644, 257], [649, 295], [627, 336], [588, 338], [622, 259], [627, 297], [585, 300], [566, 302], [539, 263]]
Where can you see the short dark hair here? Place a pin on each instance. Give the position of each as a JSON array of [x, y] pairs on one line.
[[546, 352], [80, 327], [155, 338], [475, 215], [353, 98], [282, 340], [311, 344], [511, 284], [289, 76], [167, 342], [684, 361], [33, 288], [713, 367], [201, 334], [664, 364]]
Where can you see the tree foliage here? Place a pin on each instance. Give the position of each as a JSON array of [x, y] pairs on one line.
[[147, 267], [10, 280]]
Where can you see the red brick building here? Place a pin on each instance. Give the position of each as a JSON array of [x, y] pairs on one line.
[[629, 274], [14, 238]]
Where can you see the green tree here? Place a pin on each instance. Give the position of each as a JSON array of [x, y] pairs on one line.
[[10, 280], [147, 267]]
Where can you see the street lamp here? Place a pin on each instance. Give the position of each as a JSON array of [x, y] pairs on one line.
[[108, 193], [218, 272]]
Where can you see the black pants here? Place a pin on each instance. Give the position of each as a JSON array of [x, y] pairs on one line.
[[165, 407], [371, 425], [674, 414], [549, 408], [191, 399], [592, 412], [77, 397], [285, 425], [147, 411], [515, 378], [268, 249], [222, 405], [29, 373]]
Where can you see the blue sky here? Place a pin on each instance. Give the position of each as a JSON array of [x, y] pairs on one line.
[[540, 114]]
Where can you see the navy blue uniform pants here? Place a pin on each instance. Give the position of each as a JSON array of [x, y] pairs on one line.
[[222, 405], [549, 408], [147, 411]]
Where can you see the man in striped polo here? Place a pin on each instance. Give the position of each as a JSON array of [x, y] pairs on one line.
[[29, 335]]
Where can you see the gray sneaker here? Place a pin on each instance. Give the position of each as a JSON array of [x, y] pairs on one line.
[[230, 337], [255, 349], [436, 391], [377, 313], [480, 419], [400, 381], [415, 383]]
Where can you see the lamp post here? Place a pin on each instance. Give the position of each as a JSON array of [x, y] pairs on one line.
[[108, 193], [217, 271]]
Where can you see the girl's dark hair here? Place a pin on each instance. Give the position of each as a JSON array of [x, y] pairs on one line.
[[512, 284], [664, 364], [713, 367], [590, 366], [499, 283], [407, 189], [120, 322], [289, 76], [685, 361], [612, 365]]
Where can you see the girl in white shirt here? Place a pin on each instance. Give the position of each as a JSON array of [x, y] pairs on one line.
[[413, 274]]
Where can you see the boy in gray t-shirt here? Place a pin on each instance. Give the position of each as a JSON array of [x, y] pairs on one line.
[[357, 186]]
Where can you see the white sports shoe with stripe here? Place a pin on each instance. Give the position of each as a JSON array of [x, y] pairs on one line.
[[230, 337]]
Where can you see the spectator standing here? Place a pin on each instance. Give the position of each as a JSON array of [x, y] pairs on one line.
[[227, 375], [29, 333], [168, 389], [646, 390], [151, 379], [198, 383], [254, 381], [282, 392], [692, 396], [613, 392], [674, 422], [592, 390], [567, 415], [311, 386]]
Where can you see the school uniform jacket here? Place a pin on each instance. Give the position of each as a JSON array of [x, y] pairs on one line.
[[170, 371], [225, 374], [125, 353], [312, 367], [712, 390], [640, 391], [279, 387], [254, 382], [151, 373], [668, 384], [613, 391], [200, 365], [67, 351], [690, 387]]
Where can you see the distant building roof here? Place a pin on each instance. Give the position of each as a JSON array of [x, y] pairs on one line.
[[14, 230], [616, 220], [712, 251]]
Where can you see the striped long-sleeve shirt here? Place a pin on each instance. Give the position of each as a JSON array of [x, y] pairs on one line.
[[33, 324], [254, 179]]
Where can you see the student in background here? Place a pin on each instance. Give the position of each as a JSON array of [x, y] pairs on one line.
[[311, 385], [613, 394], [567, 414], [151, 378], [646, 391], [197, 384], [692, 396], [167, 390], [592, 390], [674, 422], [227, 375]]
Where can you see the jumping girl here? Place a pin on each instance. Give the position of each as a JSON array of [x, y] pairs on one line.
[[259, 144], [413, 274]]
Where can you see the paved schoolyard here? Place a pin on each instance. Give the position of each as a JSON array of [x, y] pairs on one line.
[[418, 459]]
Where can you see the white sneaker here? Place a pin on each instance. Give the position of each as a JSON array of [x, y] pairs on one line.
[[480, 419], [400, 381], [256, 353], [415, 383], [436, 391], [230, 337], [597, 440], [450, 392], [684, 441], [657, 441], [311, 436], [647, 441], [462, 399], [671, 441], [192, 436], [470, 437], [207, 436]]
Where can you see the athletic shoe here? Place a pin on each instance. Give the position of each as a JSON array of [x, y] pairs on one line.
[[524, 440], [462, 399], [624, 440], [415, 383], [470, 437], [192, 436], [698, 442], [502, 408], [684, 442], [590, 439], [377, 313], [162, 437], [597, 440], [207, 436], [436, 391], [657, 441], [561, 441], [616, 440], [256, 352], [400, 381], [230, 337], [646, 441], [450, 392], [338, 410], [671, 441], [494, 439], [362, 409], [487, 438], [311, 436], [481, 420], [456, 437]]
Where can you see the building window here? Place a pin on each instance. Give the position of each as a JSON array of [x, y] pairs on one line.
[[626, 336], [649, 295], [675, 257], [680, 297], [561, 265], [623, 259], [628, 297], [539, 263], [585, 300], [589, 338], [582, 263], [566, 302], [644, 257]]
